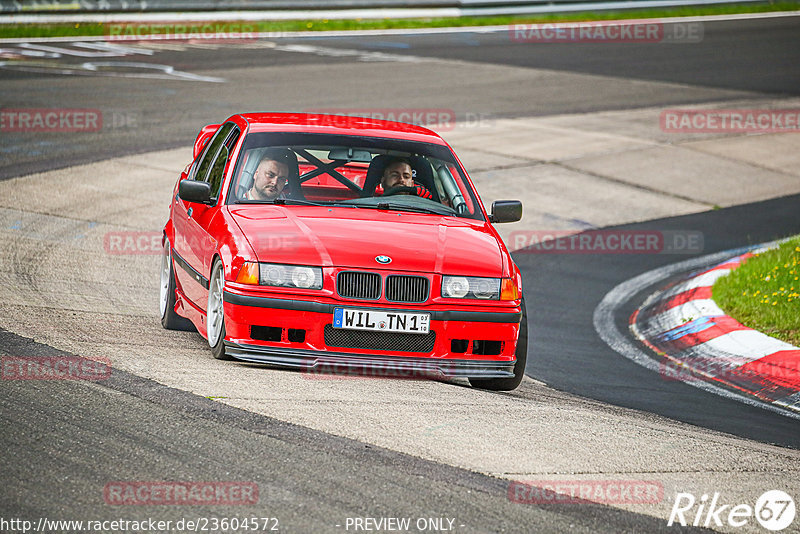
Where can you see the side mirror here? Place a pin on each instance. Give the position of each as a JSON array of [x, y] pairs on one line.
[[506, 211], [206, 133], [192, 191]]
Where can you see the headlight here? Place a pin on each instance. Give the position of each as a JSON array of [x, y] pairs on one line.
[[274, 274], [306, 278], [460, 287], [277, 275], [455, 286]]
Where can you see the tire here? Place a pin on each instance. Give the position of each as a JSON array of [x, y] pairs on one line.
[[215, 312], [509, 384], [169, 319]]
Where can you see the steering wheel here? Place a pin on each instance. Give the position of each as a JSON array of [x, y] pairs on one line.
[[399, 190]]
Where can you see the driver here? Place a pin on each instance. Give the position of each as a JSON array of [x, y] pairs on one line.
[[398, 173], [270, 176]]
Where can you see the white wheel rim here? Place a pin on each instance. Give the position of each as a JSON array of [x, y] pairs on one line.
[[215, 311], [165, 272]]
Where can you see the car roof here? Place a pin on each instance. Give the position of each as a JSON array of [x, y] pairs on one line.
[[338, 125]]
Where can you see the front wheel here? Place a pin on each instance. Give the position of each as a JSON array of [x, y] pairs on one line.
[[508, 384], [169, 319], [215, 313]]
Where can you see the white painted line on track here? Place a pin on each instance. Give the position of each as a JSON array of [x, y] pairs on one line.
[[128, 69], [749, 344], [707, 279], [606, 327], [115, 48], [361, 55]]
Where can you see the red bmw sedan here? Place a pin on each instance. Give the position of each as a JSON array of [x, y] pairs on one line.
[[320, 241]]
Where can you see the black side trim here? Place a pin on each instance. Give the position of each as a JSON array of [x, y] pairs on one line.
[[316, 307], [278, 304], [477, 317], [202, 280]]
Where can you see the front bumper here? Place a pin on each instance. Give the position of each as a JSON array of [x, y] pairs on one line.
[[458, 344]]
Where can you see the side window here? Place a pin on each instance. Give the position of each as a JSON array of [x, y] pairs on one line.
[[218, 167], [212, 150], [217, 170]]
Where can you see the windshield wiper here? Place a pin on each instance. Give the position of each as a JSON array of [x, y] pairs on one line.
[[296, 201], [404, 207], [281, 202]]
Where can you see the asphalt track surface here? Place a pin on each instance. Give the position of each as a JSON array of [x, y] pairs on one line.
[[735, 59], [62, 439], [732, 55]]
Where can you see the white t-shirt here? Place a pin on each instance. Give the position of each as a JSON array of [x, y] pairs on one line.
[[247, 196]]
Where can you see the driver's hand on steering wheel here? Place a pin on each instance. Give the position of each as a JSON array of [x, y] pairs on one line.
[[421, 191], [416, 190]]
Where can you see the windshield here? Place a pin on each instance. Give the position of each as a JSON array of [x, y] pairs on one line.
[[359, 172]]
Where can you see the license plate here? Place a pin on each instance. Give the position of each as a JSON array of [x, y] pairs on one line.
[[381, 321]]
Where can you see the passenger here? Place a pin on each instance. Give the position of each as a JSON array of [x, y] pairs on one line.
[[271, 175], [398, 173]]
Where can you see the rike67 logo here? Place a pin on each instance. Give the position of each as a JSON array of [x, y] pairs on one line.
[[774, 510]]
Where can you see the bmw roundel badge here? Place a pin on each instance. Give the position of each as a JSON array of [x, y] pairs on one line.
[[383, 259]]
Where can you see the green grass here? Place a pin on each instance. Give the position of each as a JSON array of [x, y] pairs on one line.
[[764, 292], [13, 30]]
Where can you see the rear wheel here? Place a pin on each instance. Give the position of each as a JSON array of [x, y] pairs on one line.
[[216, 313], [508, 384], [169, 319]]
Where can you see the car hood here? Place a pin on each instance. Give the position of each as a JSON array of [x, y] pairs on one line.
[[354, 237]]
